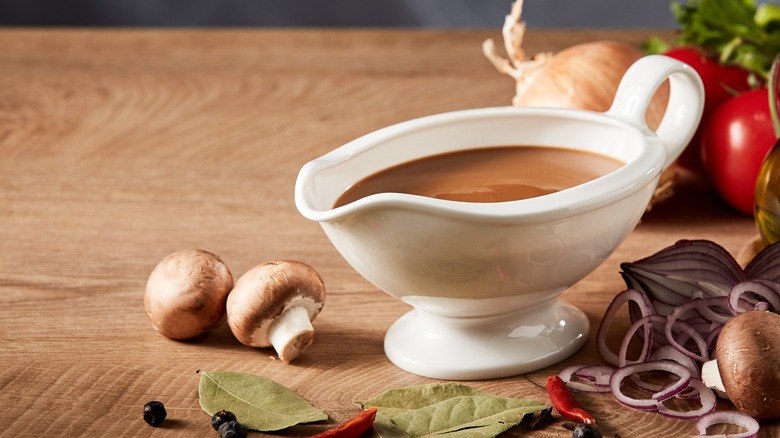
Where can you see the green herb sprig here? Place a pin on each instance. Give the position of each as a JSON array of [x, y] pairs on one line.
[[736, 32]]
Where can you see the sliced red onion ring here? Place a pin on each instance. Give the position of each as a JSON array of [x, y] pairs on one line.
[[670, 390], [707, 399], [628, 295], [688, 393], [755, 287], [670, 353], [598, 374], [715, 309], [578, 381], [616, 383], [673, 321], [566, 373], [647, 342], [727, 417], [667, 352]]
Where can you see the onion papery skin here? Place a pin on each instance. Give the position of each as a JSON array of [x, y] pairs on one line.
[[585, 76]]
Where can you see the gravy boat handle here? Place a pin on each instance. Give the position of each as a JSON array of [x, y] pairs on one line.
[[683, 112]]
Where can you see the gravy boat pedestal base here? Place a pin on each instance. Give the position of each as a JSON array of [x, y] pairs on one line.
[[447, 347]]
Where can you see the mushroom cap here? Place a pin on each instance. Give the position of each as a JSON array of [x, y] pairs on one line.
[[186, 293], [748, 362], [267, 290]]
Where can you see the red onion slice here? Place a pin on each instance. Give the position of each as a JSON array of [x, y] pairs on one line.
[[727, 417], [581, 378], [672, 389], [673, 321], [598, 374], [628, 295], [759, 288], [567, 373], [668, 352], [616, 383], [707, 399], [647, 342], [714, 309]]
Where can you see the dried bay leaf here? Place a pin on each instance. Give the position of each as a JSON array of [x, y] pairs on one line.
[[259, 403], [448, 408], [398, 401], [384, 428], [466, 416]]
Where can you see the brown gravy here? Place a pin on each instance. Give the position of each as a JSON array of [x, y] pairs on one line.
[[493, 174]]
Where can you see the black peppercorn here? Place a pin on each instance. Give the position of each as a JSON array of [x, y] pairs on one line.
[[232, 429], [154, 413], [220, 417], [583, 430]]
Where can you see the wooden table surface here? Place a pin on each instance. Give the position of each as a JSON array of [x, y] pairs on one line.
[[118, 147]]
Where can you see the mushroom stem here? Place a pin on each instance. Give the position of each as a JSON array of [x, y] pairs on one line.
[[710, 376], [291, 333]]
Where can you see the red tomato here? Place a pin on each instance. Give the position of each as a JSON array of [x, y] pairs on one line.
[[720, 84], [736, 138]]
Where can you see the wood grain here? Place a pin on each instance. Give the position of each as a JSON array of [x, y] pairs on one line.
[[118, 147]]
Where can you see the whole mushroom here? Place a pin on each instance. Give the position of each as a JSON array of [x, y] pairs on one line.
[[186, 293], [273, 304], [747, 365]]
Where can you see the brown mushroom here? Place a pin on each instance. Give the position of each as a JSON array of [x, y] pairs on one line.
[[273, 304], [747, 364], [186, 293]]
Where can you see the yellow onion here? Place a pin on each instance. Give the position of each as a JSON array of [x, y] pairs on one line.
[[584, 76]]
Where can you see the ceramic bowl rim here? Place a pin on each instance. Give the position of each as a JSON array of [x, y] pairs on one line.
[[635, 174]]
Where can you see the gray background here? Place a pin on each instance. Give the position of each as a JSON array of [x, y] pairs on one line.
[[325, 13]]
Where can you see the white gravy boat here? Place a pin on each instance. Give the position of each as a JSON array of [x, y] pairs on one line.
[[484, 278]]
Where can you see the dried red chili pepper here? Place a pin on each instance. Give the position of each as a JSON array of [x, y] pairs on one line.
[[352, 428], [564, 402]]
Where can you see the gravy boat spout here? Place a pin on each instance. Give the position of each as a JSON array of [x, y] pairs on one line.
[[484, 278]]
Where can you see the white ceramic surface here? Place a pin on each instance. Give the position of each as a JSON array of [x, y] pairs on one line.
[[484, 279]]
